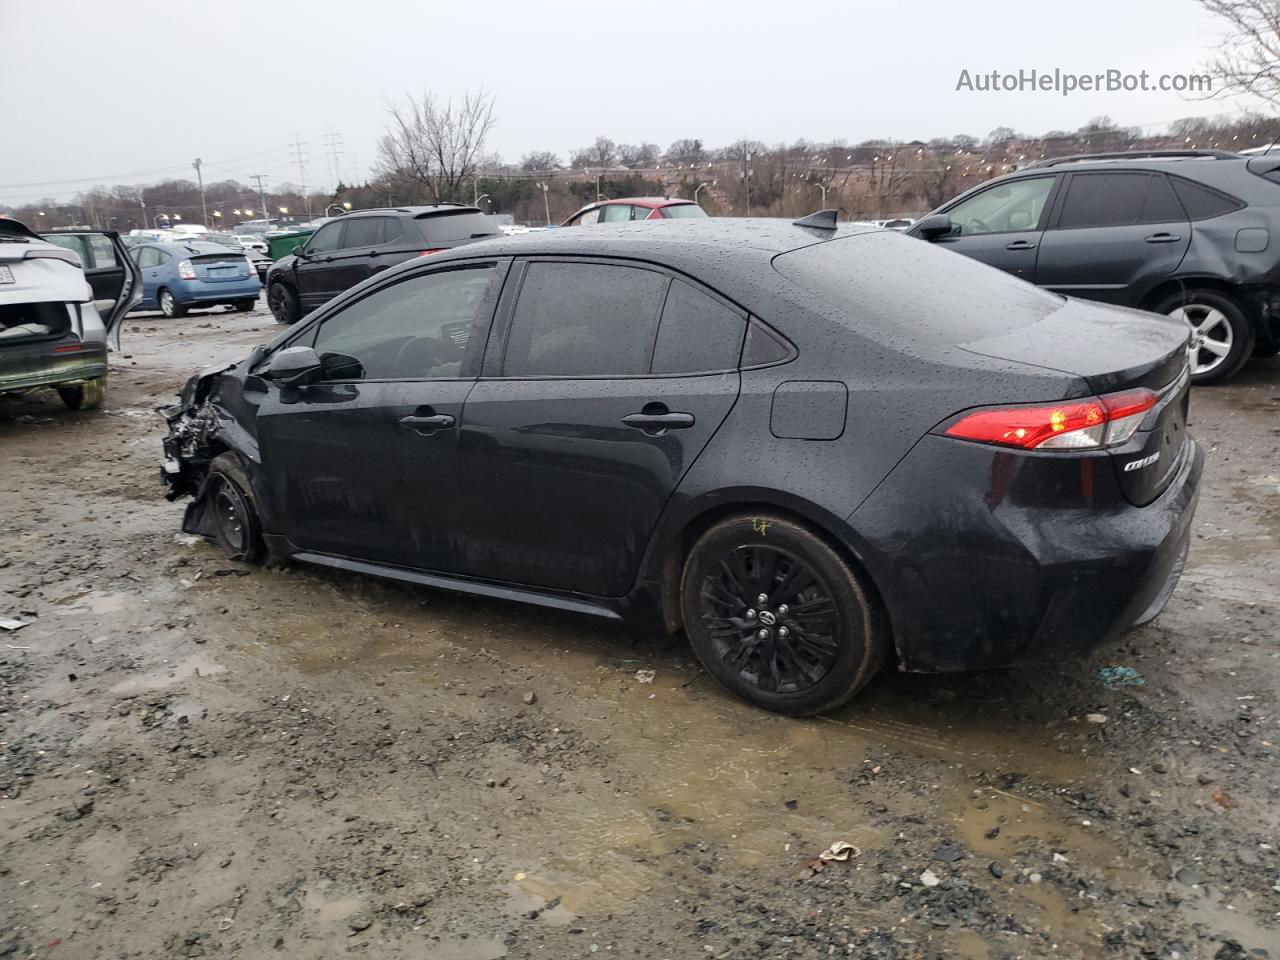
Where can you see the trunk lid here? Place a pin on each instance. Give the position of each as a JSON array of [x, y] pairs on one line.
[[1114, 349], [221, 267]]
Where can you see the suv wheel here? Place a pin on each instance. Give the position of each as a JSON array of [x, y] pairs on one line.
[[283, 303], [86, 395], [1221, 335], [169, 306], [779, 617]]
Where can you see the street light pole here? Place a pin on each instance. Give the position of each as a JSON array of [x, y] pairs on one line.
[[546, 204], [200, 177], [695, 191]]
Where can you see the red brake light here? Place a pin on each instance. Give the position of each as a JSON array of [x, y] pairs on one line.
[[1077, 424], [427, 253]]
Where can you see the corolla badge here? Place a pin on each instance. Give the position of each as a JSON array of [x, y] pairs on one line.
[[1144, 462]]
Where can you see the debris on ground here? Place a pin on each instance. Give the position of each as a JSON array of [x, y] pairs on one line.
[[8, 623], [839, 851], [1115, 677]]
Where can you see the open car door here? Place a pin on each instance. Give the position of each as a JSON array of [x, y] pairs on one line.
[[111, 272]]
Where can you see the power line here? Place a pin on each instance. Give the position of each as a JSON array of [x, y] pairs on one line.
[[333, 142], [300, 158]]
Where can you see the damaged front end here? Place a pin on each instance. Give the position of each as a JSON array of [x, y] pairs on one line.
[[209, 419]]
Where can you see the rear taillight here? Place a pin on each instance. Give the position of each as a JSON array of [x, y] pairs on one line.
[[427, 253], [1073, 425], [186, 271]]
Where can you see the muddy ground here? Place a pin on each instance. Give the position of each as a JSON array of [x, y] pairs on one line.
[[203, 759]]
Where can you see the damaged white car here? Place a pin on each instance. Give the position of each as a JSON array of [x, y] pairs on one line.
[[61, 297]]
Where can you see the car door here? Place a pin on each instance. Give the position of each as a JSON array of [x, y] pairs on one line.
[[363, 463], [313, 269], [1002, 225], [149, 260], [114, 279], [603, 387], [353, 262], [1113, 236]]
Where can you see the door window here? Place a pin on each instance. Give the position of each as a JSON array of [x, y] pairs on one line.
[[103, 252], [584, 320], [591, 216], [71, 242], [698, 333], [1103, 200], [641, 213], [1001, 209], [325, 240], [391, 230], [362, 232], [150, 257], [1162, 205], [615, 212], [425, 327]]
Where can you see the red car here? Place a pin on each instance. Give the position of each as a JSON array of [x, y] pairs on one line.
[[635, 208]]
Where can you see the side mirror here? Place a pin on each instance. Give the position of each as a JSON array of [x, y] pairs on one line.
[[293, 367], [933, 227]]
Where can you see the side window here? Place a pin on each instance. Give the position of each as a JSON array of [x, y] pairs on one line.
[[103, 252], [1162, 205], [362, 232], [391, 230], [1202, 203], [641, 213], [428, 326], [1103, 200], [583, 319], [698, 333], [591, 216], [1001, 209], [615, 212], [325, 240], [150, 257], [72, 243]]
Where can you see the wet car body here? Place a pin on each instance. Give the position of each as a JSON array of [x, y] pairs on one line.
[[835, 416], [61, 298]]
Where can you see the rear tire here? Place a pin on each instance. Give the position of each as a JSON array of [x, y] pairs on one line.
[[283, 303], [1222, 335], [84, 396], [237, 526], [779, 617], [169, 306], [244, 306]]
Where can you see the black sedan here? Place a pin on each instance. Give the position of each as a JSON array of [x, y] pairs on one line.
[[811, 448]]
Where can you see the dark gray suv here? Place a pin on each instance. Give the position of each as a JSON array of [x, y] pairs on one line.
[[1192, 234]]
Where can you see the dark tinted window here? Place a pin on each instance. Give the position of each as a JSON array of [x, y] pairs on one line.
[[762, 347], [584, 319], [1202, 203], [325, 239], [697, 333], [449, 227], [1161, 206], [362, 232], [426, 326], [1103, 199], [391, 230]]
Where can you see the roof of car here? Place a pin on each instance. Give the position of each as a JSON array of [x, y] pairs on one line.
[[664, 239], [642, 201], [414, 211]]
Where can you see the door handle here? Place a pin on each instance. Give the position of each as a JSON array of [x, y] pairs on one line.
[[1020, 245], [1162, 238], [655, 420], [429, 424]]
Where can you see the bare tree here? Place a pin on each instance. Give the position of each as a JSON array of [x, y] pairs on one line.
[[1248, 61], [539, 161], [637, 154], [434, 146], [602, 153]]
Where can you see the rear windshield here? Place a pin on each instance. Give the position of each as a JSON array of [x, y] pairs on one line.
[[892, 286], [450, 227], [683, 210]]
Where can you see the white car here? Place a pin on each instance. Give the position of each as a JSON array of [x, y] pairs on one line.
[[251, 242], [61, 296]]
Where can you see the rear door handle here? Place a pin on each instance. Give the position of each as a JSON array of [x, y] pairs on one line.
[[655, 423], [1020, 245], [1162, 238], [429, 424]]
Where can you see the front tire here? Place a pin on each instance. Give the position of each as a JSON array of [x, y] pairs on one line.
[[87, 395], [779, 617], [1222, 336], [169, 306], [237, 527], [283, 303]]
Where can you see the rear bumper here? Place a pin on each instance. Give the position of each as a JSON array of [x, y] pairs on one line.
[[987, 559], [49, 371], [225, 291]]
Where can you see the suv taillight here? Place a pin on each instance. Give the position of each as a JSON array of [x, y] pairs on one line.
[[1087, 424], [186, 271]]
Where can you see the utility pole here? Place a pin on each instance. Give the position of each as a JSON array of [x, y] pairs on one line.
[[200, 177], [546, 204], [333, 145], [262, 194], [299, 156]]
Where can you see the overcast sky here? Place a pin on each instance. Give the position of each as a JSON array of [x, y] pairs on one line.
[[132, 90]]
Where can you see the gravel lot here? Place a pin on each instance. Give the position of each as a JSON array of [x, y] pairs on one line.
[[203, 759]]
